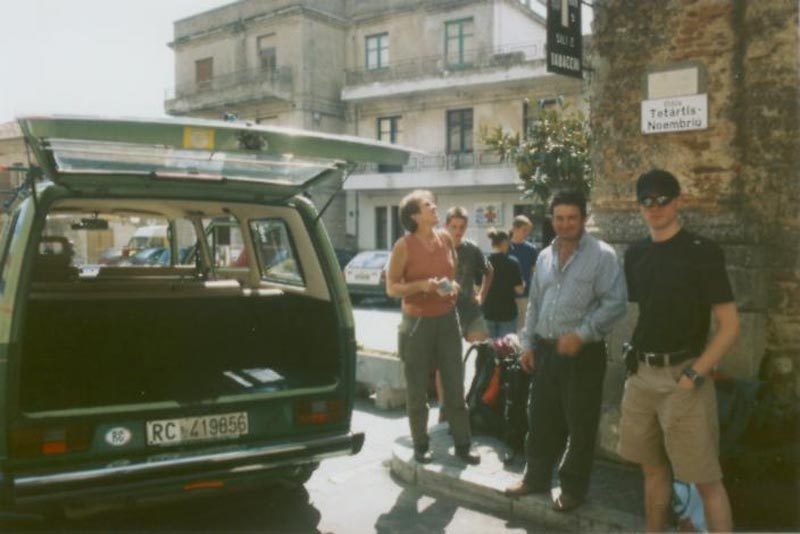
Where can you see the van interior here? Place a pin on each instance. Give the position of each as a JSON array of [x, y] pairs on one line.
[[234, 302]]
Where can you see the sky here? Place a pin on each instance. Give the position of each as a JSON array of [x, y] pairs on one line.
[[98, 57], [95, 57]]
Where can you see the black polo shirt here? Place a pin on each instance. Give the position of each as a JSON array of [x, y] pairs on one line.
[[675, 283]]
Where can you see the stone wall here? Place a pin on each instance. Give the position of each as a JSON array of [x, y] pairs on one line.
[[739, 176]]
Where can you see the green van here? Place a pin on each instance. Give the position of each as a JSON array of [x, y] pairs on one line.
[[227, 364]]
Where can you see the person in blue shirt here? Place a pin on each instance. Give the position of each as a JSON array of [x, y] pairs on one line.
[[577, 294], [525, 253]]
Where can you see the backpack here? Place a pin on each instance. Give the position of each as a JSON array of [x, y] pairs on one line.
[[497, 399]]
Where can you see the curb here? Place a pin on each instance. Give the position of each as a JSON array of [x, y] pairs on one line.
[[482, 486]]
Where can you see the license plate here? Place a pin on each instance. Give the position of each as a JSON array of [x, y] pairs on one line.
[[203, 428]]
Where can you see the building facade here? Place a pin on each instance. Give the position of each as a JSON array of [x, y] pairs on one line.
[[427, 74]]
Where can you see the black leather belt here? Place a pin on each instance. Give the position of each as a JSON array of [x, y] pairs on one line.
[[664, 359]]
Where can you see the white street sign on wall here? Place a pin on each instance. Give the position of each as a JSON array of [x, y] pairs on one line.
[[675, 114]]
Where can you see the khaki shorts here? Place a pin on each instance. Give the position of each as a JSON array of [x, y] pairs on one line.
[[663, 423]]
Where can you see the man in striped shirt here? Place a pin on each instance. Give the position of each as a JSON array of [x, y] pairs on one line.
[[577, 294]]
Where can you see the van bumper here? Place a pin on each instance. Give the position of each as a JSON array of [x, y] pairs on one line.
[[168, 475]]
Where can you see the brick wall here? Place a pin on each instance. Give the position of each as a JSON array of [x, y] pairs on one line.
[[739, 176]]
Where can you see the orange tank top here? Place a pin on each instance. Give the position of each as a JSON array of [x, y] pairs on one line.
[[421, 264]]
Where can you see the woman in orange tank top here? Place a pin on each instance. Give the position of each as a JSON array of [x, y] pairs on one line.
[[421, 272]]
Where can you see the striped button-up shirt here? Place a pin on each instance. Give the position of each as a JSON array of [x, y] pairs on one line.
[[586, 295]]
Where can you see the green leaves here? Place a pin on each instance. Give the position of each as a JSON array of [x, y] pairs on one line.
[[554, 153]]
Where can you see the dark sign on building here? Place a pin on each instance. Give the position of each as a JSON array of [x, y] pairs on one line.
[[564, 42]]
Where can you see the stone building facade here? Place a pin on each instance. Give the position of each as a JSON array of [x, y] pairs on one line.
[[739, 175], [427, 74]]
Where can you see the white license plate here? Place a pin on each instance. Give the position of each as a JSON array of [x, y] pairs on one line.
[[203, 428]]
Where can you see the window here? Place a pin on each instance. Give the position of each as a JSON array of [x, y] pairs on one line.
[[8, 232], [381, 228], [204, 70], [267, 58], [226, 243], [458, 36], [389, 131], [377, 51], [529, 114], [459, 131], [275, 251]]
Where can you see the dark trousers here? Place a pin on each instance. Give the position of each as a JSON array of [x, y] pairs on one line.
[[563, 414]]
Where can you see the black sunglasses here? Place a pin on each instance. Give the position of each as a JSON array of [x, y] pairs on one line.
[[660, 201]]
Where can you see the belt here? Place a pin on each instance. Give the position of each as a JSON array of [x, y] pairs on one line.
[[664, 359], [546, 342]]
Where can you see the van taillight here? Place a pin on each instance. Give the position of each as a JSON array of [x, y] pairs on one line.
[[319, 411], [29, 442]]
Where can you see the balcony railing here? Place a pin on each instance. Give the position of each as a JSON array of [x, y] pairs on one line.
[[440, 162], [278, 81], [471, 60]]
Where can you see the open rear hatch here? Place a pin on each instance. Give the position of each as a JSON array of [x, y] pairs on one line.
[[183, 367], [80, 152]]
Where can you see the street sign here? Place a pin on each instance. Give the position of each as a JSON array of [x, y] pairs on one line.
[[675, 114], [564, 41]]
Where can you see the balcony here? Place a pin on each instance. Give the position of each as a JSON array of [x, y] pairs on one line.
[[231, 89], [475, 67], [482, 168]]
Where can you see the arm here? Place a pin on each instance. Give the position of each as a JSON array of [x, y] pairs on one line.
[[726, 318], [486, 283], [531, 315], [612, 295], [395, 285]]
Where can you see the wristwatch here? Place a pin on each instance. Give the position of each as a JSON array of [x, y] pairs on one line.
[[696, 378]]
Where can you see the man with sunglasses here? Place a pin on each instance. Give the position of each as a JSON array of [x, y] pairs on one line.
[[669, 414]]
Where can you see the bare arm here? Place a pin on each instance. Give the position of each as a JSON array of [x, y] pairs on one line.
[[395, 285], [727, 319]]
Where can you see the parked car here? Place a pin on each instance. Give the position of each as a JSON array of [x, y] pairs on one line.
[[135, 385], [150, 256], [365, 274]]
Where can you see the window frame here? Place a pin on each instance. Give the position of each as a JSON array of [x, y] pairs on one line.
[[394, 128], [382, 41], [460, 123], [204, 82], [272, 66], [460, 37], [292, 247]]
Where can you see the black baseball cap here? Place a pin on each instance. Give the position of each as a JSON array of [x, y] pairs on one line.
[[656, 183]]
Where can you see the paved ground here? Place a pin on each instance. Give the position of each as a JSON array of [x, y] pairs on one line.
[[614, 502]]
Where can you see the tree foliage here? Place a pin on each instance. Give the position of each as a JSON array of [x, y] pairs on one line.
[[553, 155]]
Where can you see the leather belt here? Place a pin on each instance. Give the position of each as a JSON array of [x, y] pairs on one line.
[[664, 359]]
